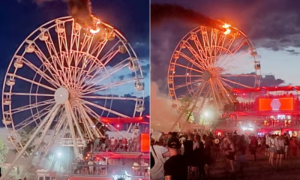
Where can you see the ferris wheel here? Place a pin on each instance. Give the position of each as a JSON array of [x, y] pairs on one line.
[[208, 63], [64, 78]]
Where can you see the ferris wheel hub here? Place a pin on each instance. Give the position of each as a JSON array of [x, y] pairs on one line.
[[206, 75], [61, 95]]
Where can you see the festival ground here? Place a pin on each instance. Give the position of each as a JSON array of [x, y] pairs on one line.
[[259, 170]]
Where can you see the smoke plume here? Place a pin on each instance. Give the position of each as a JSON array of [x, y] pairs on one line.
[[162, 12], [81, 11], [163, 115]]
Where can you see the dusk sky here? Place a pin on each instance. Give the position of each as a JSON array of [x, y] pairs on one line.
[[272, 25]]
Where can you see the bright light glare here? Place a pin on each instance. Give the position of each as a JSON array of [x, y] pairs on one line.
[[227, 31], [226, 26], [95, 31], [206, 114], [59, 154]]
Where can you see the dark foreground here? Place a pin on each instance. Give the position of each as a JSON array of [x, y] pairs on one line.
[[258, 170]]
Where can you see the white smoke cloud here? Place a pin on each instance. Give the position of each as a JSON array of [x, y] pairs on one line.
[[163, 116]]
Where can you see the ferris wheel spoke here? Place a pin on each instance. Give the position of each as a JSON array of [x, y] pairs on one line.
[[186, 76], [54, 55], [107, 86], [230, 61], [200, 48], [98, 48], [71, 122], [62, 36], [44, 60], [96, 116], [34, 118], [110, 98], [206, 42], [73, 116], [30, 81], [199, 58], [57, 129], [229, 43], [201, 67], [238, 75], [104, 109], [99, 78], [87, 42], [27, 94], [104, 61], [190, 68], [238, 47], [40, 72], [190, 83], [214, 94], [75, 38], [224, 91], [89, 123], [30, 106], [236, 83]]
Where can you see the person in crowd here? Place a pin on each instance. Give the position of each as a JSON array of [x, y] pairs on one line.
[[229, 151], [189, 155], [175, 167], [199, 156], [293, 147], [241, 153], [286, 145], [91, 166], [208, 159], [267, 152], [253, 146], [259, 143], [272, 149], [96, 144], [182, 139], [157, 161], [279, 144]]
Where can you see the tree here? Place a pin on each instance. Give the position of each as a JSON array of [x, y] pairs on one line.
[[3, 151]]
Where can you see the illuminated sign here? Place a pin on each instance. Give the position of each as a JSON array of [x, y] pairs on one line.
[[278, 104]]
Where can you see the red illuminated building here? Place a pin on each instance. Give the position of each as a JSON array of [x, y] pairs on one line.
[[264, 110]]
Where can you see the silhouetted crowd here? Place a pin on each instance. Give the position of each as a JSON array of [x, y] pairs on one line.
[[191, 155]]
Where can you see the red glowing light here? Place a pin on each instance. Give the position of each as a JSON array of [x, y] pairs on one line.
[[118, 126], [148, 116], [145, 143]]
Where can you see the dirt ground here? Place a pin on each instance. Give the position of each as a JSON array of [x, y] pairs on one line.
[[259, 169]]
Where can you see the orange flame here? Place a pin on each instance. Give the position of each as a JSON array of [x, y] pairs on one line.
[[227, 31], [95, 31], [226, 26]]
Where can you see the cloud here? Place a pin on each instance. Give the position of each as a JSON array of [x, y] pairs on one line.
[[292, 52]]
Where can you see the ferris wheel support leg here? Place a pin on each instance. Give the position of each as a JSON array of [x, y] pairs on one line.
[[49, 122], [195, 97], [55, 107], [71, 126], [76, 124]]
